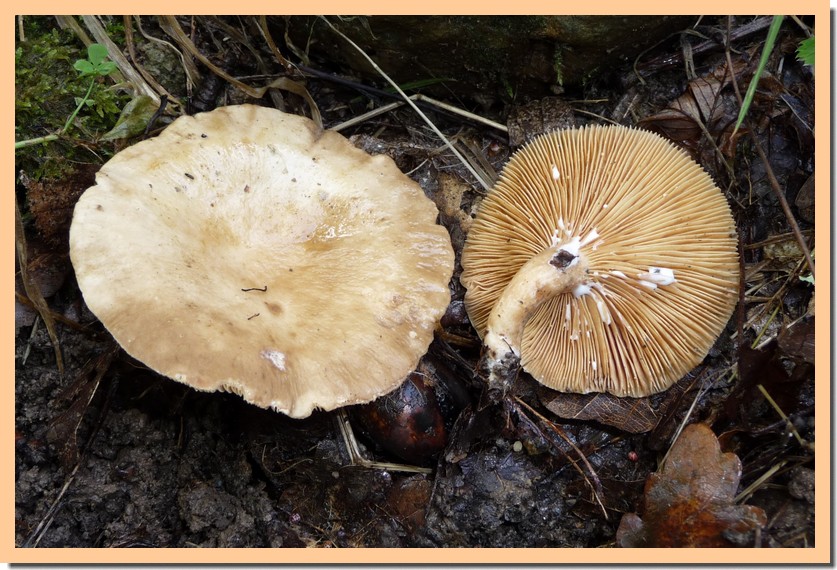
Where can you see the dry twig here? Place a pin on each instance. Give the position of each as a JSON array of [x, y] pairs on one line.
[[32, 290], [485, 183]]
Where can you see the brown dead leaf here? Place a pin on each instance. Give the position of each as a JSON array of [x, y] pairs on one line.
[[46, 270], [675, 124], [32, 290], [690, 502], [805, 200], [704, 106], [449, 200], [797, 341], [633, 415]]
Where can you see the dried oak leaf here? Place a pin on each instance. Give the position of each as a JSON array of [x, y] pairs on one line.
[[690, 501]]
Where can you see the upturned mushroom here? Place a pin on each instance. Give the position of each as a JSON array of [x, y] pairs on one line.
[[244, 250], [604, 260]]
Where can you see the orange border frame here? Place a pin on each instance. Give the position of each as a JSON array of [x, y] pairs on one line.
[[823, 528]]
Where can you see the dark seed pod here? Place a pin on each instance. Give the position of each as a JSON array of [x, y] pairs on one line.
[[413, 421], [448, 386], [407, 422]]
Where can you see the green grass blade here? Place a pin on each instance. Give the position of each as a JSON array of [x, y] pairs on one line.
[[765, 54]]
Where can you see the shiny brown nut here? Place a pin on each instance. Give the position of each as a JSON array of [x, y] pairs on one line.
[[407, 422]]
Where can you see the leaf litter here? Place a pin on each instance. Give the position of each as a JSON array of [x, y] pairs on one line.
[[690, 501], [508, 481]]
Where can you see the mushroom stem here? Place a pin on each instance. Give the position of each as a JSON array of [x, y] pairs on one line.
[[556, 270]]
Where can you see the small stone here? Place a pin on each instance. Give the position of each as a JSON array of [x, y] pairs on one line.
[[801, 485]]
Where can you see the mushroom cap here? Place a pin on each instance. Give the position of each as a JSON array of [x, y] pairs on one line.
[[661, 245], [243, 250]]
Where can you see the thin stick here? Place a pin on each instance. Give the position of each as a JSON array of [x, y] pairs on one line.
[[45, 523], [368, 115], [745, 494], [419, 97], [357, 458], [703, 390], [596, 485], [774, 183], [788, 424], [28, 350], [32, 290], [421, 100], [58, 317], [800, 239], [595, 115], [485, 184], [462, 112], [765, 327]]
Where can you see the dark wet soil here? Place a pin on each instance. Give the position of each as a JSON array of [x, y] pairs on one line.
[[109, 454]]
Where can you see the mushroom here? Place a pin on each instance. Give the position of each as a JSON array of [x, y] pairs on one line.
[[603, 260], [245, 250]]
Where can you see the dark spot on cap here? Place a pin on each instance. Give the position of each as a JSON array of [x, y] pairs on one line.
[[274, 308]]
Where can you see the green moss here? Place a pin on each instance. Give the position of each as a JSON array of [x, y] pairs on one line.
[[47, 91]]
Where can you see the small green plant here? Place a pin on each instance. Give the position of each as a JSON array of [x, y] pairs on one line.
[[805, 51], [809, 278], [96, 65]]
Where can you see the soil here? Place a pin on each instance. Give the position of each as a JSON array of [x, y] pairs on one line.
[[109, 454]]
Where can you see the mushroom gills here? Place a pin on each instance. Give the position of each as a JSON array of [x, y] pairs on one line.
[[603, 260]]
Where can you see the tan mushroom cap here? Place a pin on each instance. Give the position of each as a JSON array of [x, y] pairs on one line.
[[660, 249], [242, 250]]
